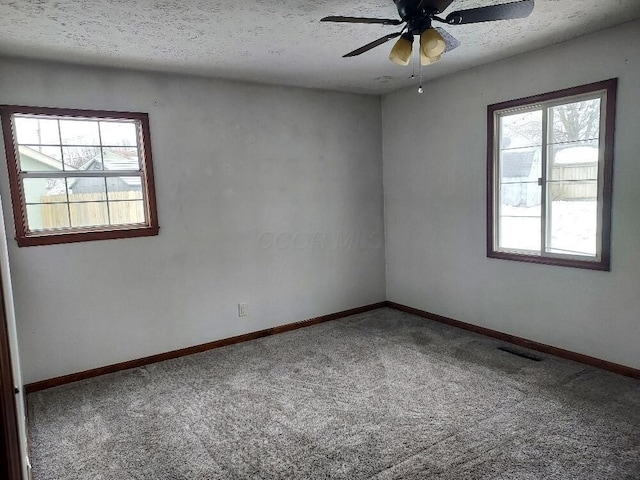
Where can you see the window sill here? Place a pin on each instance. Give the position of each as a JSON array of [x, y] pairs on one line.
[[602, 265], [86, 235]]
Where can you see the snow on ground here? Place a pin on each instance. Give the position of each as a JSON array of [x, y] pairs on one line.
[[573, 227]]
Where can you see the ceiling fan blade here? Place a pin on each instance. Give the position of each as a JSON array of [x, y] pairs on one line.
[[373, 44], [505, 11], [380, 21], [449, 40]]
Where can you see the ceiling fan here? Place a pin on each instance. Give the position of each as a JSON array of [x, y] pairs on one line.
[[418, 16]]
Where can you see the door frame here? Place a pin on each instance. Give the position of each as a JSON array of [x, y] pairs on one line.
[[10, 456]]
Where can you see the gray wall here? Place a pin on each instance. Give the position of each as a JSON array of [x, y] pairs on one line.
[[266, 195], [434, 179]]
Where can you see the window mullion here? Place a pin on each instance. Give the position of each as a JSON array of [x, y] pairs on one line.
[[106, 194], [81, 173], [64, 167], [106, 187], [66, 188]]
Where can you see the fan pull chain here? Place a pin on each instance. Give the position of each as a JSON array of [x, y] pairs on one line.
[[420, 89], [413, 66]]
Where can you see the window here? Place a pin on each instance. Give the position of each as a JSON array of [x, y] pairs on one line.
[[79, 175], [549, 177]]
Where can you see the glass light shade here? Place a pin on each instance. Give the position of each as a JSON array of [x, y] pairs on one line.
[[401, 52], [424, 60], [431, 43]]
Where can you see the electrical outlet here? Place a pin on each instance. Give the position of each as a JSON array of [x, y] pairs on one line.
[[242, 309]]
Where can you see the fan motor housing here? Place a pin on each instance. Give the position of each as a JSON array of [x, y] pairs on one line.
[[418, 18], [411, 8]]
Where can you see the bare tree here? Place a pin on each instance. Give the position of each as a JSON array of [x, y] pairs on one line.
[[575, 121], [579, 121], [77, 157]]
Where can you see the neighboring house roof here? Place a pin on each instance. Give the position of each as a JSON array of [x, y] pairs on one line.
[[56, 187], [40, 157], [517, 164], [114, 161], [120, 161]]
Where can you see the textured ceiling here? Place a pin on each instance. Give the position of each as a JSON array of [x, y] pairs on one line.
[[276, 41]]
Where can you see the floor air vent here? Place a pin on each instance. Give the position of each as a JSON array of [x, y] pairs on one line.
[[519, 353]]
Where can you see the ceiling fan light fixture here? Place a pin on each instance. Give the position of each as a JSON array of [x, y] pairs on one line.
[[401, 52], [424, 60], [431, 43]]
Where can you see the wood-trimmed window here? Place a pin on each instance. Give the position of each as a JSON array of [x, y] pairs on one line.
[[550, 176], [79, 175]]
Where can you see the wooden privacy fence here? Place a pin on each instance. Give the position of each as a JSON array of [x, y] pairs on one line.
[[572, 182], [87, 209], [568, 182]]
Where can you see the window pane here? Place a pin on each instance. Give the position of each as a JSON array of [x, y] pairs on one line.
[[36, 158], [35, 130], [521, 130], [44, 190], [520, 233], [574, 121], [121, 159], [520, 217], [127, 212], [520, 165], [79, 132], [89, 214], [573, 221], [47, 216], [87, 189], [82, 158], [115, 134], [124, 188]]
